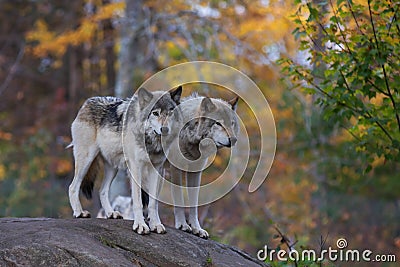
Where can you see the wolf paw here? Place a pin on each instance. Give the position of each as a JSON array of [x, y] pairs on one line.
[[200, 232], [114, 215], [141, 228], [83, 214], [158, 228], [184, 227]]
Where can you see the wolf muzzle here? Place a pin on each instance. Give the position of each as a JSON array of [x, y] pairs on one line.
[[164, 130], [232, 141]]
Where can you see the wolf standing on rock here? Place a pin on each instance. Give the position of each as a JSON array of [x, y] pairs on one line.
[[97, 135], [209, 123]]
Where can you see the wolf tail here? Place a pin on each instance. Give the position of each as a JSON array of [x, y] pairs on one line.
[[90, 177]]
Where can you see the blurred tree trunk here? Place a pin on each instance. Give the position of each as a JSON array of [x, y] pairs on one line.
[[110, 57], [131, 55], [131, 70]]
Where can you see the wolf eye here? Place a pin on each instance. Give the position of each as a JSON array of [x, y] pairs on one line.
[[218, 123], [156, 113]]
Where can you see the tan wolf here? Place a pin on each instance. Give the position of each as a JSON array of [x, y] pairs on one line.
[[209, 119]]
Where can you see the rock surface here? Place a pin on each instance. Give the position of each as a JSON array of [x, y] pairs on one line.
[[99, 242]]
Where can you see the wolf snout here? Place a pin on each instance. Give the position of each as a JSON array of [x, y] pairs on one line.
[[232, 141], [164, 130]]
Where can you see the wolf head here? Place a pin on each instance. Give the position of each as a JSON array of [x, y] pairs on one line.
[[159, 107], [218, 121]]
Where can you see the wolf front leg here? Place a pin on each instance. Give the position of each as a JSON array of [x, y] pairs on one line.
[[154, 182], [179, 202], [193, 182], [139, 225]]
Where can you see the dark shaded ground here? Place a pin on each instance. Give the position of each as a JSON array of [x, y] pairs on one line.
[[99, 242]]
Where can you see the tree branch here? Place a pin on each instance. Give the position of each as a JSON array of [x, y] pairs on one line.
[[285, 240], [340, 29], [364, 114], [354, 17], [13, 69], [393, 20], [383, 66]]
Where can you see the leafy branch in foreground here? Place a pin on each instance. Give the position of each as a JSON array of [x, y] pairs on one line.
[[301, 257], [353, 69]]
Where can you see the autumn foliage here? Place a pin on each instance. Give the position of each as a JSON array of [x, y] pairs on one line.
[[334, 96]]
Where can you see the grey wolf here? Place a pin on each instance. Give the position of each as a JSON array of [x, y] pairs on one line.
[[97, 139], [209, 119]]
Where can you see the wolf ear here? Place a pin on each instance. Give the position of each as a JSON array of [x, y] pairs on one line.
[[176, 95], [144, 97], [207, 105], [234, 103]]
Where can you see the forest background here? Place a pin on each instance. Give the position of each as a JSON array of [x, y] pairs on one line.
[[329, 70]]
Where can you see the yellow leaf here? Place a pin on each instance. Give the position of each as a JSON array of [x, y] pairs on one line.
[[108, 11], [2, 172]]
